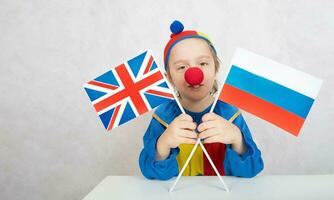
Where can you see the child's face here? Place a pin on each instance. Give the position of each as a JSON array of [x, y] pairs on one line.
[[192, 52]]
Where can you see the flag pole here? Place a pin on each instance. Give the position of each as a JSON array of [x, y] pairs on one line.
[[214, 167], [185, 165], [198, 142]]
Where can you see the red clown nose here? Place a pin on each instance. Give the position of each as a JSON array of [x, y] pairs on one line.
[[194, 76]]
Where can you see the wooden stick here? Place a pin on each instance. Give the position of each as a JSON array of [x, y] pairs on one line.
[[188, 160], [214, 167], [185, 165], [206, 154]]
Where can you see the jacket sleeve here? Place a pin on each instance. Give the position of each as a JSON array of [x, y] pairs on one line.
[[250, 163], [149, 166]]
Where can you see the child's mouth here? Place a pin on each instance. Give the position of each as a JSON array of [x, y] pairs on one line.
[[195, 86]]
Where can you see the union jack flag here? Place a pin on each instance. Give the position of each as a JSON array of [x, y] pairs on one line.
[[128, 90]]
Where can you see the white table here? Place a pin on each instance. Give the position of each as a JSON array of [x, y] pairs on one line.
[[209, 187]]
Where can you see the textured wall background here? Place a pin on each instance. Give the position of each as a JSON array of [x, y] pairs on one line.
[[52, 144]]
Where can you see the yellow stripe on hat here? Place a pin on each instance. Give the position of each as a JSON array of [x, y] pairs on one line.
[[203, 35]]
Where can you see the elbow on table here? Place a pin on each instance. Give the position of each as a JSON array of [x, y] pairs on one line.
[[152, 170], [255, 170]]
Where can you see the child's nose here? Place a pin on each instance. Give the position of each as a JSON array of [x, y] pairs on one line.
[[194, 76]]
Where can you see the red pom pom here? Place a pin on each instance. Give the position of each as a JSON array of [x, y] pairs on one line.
[[194, 76]]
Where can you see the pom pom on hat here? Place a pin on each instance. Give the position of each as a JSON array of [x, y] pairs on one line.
[[176, 27]]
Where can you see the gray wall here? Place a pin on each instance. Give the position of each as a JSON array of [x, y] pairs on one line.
[[52, 144]]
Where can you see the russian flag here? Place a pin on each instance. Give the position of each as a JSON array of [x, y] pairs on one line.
[[274, 92]]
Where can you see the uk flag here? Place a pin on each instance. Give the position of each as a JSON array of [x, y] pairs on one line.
[[128, 90]]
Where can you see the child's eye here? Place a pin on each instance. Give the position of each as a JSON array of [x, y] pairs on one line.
[[203, 63], [181, 67]]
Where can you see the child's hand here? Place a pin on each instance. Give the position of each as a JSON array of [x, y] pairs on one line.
[[180, 131], [214, 128]]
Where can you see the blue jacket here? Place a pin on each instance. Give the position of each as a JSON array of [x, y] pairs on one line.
[[247, 165]]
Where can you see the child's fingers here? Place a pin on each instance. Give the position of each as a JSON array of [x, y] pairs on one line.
[[209, 117], [206, 125], [185, 117], [212, 139], [187, 125], [188, 134], [208, 133], [184, 140]]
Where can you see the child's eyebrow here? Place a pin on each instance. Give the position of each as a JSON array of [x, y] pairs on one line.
[[200, 57], [185, 61], [179, 61]]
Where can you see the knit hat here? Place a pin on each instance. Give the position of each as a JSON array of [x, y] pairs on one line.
[[178, 35]]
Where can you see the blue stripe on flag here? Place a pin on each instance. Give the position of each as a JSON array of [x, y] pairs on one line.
[[127, 115], [105, 117], [154, 66], [94, 94], [163, 84], [108, 77], [270, 91], [136, 62], [155, 100]]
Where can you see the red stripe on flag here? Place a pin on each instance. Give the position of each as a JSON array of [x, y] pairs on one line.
[[131, 90], [263, 109], [110, 100], [164, 94], [149, 64], [112, 121], [102, 85]]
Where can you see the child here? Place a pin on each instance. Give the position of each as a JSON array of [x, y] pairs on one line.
[[171, 135]]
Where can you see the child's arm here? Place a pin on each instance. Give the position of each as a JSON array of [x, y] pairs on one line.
[[180, 131], [149, 166], [248, 164], [158, 158]]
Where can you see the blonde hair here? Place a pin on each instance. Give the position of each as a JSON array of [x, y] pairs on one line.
[[217, 66]]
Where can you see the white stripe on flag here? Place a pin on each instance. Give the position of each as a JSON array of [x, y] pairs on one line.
[[291, 78]]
